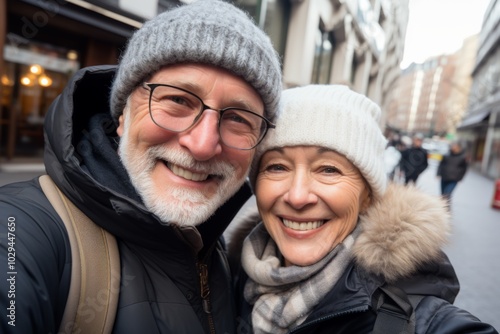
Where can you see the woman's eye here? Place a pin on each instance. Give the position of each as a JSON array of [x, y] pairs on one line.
[[330, 170], [275, 168]]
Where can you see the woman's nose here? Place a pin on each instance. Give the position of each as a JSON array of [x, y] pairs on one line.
[[300, 193]]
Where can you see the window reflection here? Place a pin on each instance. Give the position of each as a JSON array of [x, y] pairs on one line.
[[323, 57], [272, 16]]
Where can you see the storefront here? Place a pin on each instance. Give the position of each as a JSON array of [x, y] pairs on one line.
[[492, 164], [481, 133], [33, 75], [44, 43]]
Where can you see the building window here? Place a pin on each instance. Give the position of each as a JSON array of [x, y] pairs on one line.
[[272, 16], [323, 57], [354, 69]]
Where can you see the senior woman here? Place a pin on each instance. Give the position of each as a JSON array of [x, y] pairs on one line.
[[336, 242]]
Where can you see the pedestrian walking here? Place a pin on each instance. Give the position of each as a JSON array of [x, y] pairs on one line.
[[414, 160], [451, 170], [392, 157]]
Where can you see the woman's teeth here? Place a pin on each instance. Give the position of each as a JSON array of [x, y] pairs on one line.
[[303, 226], [188, 175]]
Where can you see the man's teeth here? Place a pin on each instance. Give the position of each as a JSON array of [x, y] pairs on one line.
[[188, 175], [303, 226]]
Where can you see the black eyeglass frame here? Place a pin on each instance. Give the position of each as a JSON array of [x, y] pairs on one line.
[[152, 86]]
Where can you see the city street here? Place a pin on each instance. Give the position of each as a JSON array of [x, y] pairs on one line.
[[474, 248]]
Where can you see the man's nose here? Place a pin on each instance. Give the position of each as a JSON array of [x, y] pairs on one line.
[[203, 139]]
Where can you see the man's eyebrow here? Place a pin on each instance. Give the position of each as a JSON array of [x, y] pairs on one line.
[[242, 103], [193, 87]]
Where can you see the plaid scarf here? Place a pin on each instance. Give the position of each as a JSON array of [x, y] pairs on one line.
[[283, 297]]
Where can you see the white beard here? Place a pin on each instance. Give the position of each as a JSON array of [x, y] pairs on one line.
[[176, 205]]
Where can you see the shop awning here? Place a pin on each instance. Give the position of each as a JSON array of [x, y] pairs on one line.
[[114, 20], [475, 118]]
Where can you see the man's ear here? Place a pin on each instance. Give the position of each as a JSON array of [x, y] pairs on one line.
[[121, 125]]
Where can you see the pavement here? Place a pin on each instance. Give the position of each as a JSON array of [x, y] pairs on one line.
[[474, 247], [20, 170]]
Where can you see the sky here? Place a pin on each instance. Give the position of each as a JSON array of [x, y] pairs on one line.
[[438, 27]]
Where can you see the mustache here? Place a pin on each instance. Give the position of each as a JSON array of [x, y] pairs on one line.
[[185, 160]]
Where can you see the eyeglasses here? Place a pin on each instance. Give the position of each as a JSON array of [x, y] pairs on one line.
[[176, 109]]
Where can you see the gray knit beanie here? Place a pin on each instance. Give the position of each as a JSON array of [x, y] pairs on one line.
[[334, 117], [208, 32]]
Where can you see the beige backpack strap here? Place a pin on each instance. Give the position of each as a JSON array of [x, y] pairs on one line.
[[95, 270]]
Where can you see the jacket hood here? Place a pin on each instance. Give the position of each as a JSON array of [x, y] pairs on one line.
[[81, 158], [404, 230], [401, 232]]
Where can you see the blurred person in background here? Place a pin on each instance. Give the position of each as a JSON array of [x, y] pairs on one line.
[[414, 160], [392, 157], [452, 169]]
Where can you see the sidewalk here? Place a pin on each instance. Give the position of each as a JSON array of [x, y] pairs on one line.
[[20, 170], [474, 248]]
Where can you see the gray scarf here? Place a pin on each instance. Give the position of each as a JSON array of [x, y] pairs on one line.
[[283, 297]]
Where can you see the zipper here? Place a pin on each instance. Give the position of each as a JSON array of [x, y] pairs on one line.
[[205, 295]]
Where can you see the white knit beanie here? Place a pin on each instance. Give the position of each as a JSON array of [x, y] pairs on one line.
[[334, 117], [208, 32]]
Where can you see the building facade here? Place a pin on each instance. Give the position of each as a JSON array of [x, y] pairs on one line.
[[481, 125], [461, 82], [354, 42], [431, 98], [359, 43]]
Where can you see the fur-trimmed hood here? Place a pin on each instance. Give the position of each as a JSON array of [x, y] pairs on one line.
[[401, 231], [406, 228]]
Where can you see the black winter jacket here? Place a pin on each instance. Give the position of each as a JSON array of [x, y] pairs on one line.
[[413, 161], [160, 264], [453, 167], [399, 244]]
